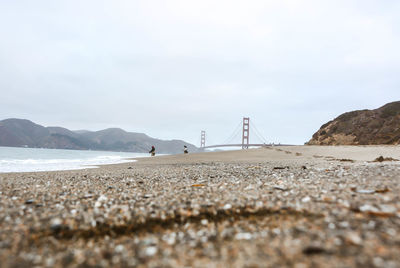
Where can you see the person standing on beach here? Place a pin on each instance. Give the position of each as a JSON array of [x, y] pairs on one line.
[[152, 151], [185, 149]]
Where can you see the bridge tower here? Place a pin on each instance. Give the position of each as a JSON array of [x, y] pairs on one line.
[[203, 139], [245, 133]]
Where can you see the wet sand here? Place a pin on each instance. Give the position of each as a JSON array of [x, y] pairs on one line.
[[292, 206]]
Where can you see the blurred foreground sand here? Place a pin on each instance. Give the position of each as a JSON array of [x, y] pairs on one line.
[[292, 206]]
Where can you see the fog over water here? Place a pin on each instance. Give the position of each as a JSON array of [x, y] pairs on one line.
[[173, 68]]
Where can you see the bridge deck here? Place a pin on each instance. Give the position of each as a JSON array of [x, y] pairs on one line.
[[237, 145]]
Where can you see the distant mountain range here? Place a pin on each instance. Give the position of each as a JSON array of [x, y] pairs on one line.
[[362, 127], [25, 133]]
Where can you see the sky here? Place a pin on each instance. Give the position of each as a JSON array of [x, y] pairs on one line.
[[172, 68]]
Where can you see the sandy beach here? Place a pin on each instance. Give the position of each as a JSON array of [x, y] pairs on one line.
[[283, 206]]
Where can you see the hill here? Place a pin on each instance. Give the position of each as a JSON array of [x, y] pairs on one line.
[[362, 127], [25, 133]]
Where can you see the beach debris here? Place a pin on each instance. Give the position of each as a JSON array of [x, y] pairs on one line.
[[362, 191], [314, 249], [370, 191], [198, 185], [382, 211], [276, 187], [381, 191], [285, 167], [328, 198], [381, 159], [254, 167], [346, 160]]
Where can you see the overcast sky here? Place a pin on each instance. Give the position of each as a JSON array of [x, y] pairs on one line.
[[173, 68]]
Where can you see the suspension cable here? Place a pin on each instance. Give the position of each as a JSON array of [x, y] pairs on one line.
[[258, 133], [233, 135]]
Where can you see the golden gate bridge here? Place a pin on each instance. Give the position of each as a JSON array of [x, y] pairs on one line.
[[244, 129]]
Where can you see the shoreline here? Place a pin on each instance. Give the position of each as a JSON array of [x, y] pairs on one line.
[[357, 153], [279, 206]]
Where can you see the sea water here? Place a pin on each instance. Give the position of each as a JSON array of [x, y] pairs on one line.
[[13, 159]]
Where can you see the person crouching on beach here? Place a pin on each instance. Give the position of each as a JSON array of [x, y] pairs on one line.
[[185, 149], [152, 151]]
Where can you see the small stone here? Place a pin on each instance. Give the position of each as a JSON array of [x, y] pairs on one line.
[[388, 208], [50, 262], [170, 239], [30, 201], [119, 248], [227, 206], [280, 188], [354, 239], [306, 199], [151, 251], [367, 207], [56, 224], [249, 187], [276, 231], [365, 191], [243, 236], [102, 198]]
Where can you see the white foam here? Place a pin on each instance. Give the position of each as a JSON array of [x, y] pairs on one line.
[[51, 160]]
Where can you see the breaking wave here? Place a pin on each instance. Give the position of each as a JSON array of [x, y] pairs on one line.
[[33, 159]]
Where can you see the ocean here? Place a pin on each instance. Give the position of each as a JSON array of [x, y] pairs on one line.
[[13, 159]]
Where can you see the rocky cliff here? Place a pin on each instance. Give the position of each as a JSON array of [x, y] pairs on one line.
[[362, 127], [24, 133]]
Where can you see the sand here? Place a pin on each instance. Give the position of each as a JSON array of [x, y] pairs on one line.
[[284, 206]]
